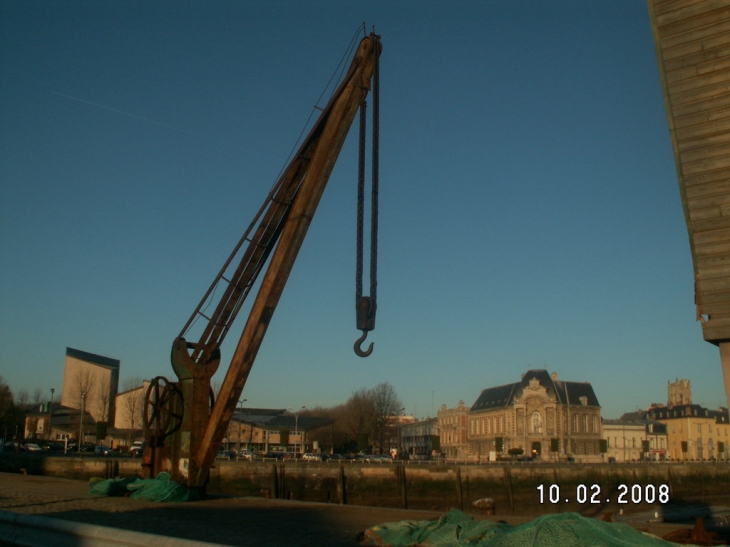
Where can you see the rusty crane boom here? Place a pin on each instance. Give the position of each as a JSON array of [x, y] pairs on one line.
[[184, 425]]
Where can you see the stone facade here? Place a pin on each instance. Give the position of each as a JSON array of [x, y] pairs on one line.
[[693, 432], [548, 419], [624, 440], [452, 426]]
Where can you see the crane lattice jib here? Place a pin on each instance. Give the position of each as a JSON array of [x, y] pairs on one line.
[[268, 224]]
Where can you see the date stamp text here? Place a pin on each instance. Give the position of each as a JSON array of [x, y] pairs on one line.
[[593, 494]]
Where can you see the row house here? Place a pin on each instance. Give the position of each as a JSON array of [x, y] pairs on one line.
[[452, 426], [694, 432], [635, 437]]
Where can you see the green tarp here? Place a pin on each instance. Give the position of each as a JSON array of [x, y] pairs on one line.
[[161, 488], [457, 529]]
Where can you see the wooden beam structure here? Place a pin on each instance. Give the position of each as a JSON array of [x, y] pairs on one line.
[[692, 39]]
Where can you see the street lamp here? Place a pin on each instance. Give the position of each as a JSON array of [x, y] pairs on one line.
[[50, 414], [81, 419], [240, 418], [296, 429]]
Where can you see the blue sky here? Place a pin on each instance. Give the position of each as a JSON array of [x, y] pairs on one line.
[[530, 215]]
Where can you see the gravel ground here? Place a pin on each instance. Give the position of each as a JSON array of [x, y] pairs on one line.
[[227, 521]]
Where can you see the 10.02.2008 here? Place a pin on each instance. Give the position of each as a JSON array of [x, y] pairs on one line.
[[592, 494]]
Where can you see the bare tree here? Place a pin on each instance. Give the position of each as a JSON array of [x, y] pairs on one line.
[[134, 402], [37, 396], [387, 406], [83, 386], [23, 398], [358, 417], [102, 402]]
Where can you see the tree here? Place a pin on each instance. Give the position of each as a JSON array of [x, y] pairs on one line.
[[386, 406], [83, 386], [7, 408], [133, 403], [11, 416], [359, 414], [37, 396]]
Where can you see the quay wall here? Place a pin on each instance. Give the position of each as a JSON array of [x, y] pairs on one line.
[[520, 489]]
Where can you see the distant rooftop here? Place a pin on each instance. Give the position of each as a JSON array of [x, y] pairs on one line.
[[92, 358]]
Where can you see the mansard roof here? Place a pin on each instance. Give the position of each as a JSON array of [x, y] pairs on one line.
[[688, 410], [571, 393]]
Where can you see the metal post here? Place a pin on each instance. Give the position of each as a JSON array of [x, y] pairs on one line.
[[81, 419], [238, 449], [296, 429], [50, 414]]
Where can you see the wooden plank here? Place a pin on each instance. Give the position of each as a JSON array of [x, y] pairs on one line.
[[691, 60], [688, 11], [706, 165], [713, 200], [711, 262], [708, 189], [717, 59], [704, 135], [718, 109], [707, 152], [699, 81], [713, 297], [711, 236], [716, 274], [696, 41], [722, 223], [703, 106], [710, 146], [704, 213], [715, 335], [662, 8], [713, 284], [707, 92], [720, 248], [704, 178], [715, 311]]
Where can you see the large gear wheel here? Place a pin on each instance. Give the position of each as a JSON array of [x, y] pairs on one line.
[[160, 420]]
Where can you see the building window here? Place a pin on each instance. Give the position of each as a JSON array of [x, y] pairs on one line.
[[536, 422], [594, 424], [575, 423], [585, 423]]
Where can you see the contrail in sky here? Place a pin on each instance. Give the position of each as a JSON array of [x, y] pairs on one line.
[[142, 118]]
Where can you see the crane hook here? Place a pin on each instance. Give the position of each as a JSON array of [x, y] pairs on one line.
[[359, 342]]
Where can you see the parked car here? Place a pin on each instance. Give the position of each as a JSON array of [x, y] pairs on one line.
[[53, 447], [103, 451], [274, 455], [137, 448], [32, 447], [312, 457], [245, 454], [226, 454]]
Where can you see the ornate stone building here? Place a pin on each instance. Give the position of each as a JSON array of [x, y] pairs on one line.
[[547, 418], [452, 428]]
